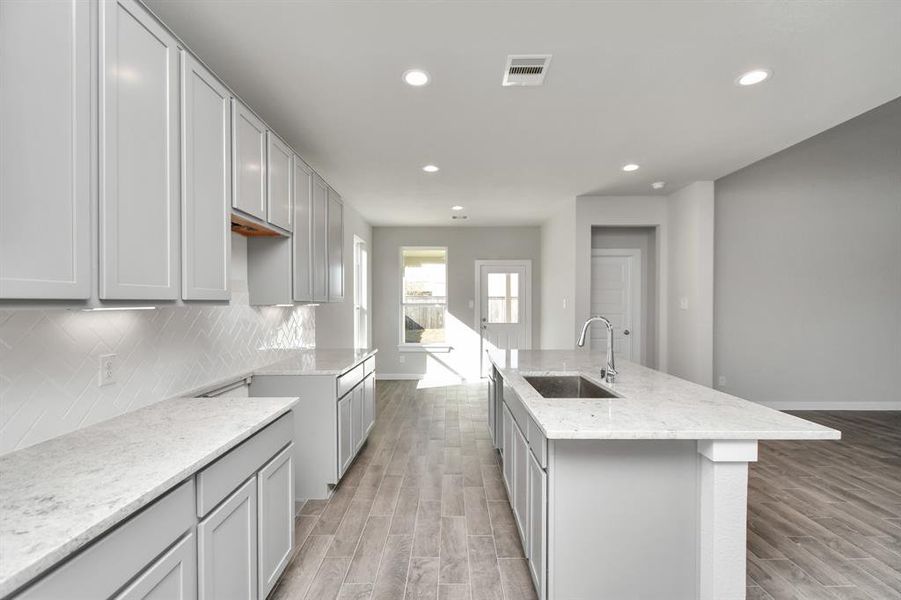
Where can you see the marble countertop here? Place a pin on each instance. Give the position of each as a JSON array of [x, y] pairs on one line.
[[316, 361], [57, 496], [653, 405]]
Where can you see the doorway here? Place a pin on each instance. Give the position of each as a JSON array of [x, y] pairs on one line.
[[616, 294], [503, 307], [361, 293]]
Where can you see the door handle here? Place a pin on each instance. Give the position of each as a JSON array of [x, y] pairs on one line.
[[626, 332]]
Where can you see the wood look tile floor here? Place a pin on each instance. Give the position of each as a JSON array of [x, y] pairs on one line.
[[422, 513]]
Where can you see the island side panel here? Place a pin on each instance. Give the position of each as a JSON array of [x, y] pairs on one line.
[[623, 519]]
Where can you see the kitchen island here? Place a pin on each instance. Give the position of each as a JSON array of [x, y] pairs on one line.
[[642, 494]]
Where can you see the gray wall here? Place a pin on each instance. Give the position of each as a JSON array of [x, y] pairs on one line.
[[465, 245], [644, 239], [337, 319], [808, 270], [558, 257]]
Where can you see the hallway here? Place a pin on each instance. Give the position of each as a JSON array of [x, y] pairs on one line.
[[422, 513]]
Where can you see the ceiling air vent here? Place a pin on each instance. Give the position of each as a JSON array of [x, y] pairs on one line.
[[526, 69]]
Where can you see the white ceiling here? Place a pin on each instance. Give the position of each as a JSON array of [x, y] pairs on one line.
[[645, 82]]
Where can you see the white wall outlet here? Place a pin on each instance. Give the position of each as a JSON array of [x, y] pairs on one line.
[[107, 374], [683, 302], [401, 359], [721, 380], [564, 304], [472, 304]]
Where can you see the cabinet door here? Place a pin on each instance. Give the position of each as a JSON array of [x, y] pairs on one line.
[[139, 153], [345, 433], [368, 404], [249, 157], [492, 414], [302, 242], [45, 149], [206, 183], [280, 168], [172, 577], [275, 484], [507, 451], [227, 553], [335, 247], [359, 395], [520, 499], [535, 551], [320, 240]]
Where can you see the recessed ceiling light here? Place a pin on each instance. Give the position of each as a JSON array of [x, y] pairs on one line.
[[457, 207], [658, 185], [416, 77], [630, 167], [430, 169], [754, 77]]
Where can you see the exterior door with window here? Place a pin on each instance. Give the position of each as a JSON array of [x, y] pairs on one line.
[[504, 311]]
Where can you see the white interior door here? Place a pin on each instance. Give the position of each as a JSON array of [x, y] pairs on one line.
[[361, 294], [616, 295], [504, 312]]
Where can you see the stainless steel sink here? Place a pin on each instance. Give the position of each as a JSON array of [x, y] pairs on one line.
[[567, 386]]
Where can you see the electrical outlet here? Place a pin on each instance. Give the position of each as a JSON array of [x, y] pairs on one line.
[[107, 374], [472, 304], [721, 380], [401, 359], [683, 303]]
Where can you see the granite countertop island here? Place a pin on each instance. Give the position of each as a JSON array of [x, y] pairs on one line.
[[651, 404], [59, 495]]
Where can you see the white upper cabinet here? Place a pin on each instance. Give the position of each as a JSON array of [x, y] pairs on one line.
[[320, 240], [206, 183], [303, 222], [335, 247], [280, 169], [45, 149], [139, 152], [249, 155]]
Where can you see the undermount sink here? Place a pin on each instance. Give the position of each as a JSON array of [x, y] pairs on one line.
[[567, 386]]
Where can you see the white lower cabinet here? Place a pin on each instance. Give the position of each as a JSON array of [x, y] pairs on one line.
[[357, 417], [537, 524], [172, 577], [227, 553], [275, 507], [520, 483], [368, 404], [507, 451], [345, 433]]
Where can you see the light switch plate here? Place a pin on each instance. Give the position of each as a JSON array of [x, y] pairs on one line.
[[107, 373]]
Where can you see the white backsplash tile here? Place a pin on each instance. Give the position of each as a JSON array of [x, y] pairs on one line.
[[49, 359]]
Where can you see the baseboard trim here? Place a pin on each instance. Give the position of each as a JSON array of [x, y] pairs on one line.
[[790, 405], [403, 376]]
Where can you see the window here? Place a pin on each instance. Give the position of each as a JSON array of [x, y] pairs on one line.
[[503, 297], [424, 295]]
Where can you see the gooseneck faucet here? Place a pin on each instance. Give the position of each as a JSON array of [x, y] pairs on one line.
[[609, 370]]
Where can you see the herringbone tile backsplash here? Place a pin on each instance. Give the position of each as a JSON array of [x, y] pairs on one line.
[[49, 359]]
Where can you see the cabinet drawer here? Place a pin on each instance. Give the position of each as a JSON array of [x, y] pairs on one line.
[[369, 366], [347, 381], [223, 476], [116, 558]]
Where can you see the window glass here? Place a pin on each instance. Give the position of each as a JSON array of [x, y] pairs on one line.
[[424, 295], [503, 297]]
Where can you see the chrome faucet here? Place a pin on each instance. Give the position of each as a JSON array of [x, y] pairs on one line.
[[609, 370]]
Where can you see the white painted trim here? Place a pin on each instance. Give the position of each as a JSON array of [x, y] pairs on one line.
[[477, 322], [427, 348], [634, 254], [834, 405], [400, 376]]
